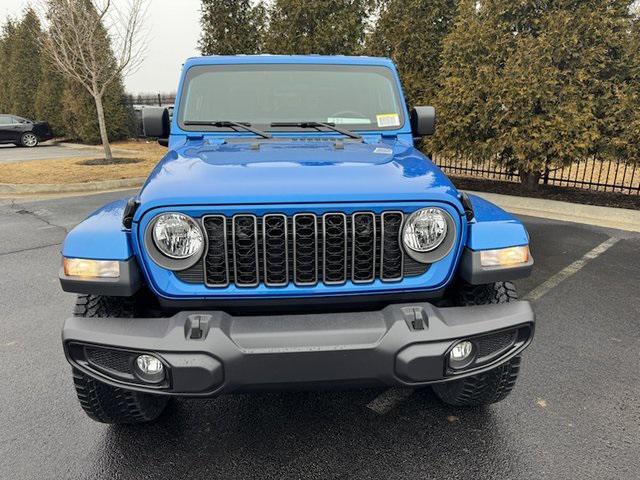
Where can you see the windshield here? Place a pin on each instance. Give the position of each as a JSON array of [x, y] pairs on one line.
[[355, 97]]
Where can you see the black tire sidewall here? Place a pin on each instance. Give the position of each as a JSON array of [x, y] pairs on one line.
[[494, 385]]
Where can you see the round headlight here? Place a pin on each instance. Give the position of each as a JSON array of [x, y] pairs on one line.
[[425, 230], [177, 236]]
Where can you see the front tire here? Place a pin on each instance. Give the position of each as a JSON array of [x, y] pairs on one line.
[[106, 404], [29, 140], [102, 402], [496, 384]]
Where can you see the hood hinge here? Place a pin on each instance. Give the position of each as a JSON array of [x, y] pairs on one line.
[[129, 212]]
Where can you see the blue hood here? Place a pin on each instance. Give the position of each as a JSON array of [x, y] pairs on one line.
[[305, 170]]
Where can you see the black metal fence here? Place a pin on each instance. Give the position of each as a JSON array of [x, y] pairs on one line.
[[603, 176], [151, 100], [136, 103]]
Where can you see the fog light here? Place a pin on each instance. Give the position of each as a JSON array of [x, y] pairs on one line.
[[461, 351], [462, 355], [149, 368]]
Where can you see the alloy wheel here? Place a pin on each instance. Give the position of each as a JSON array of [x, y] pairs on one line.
[[29, 140]]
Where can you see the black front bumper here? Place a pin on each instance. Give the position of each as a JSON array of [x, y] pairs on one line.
[[210, 352]]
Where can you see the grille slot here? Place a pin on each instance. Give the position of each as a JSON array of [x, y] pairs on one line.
[[334, 234], [363, 256], [276, 250], [245, 250], [391, 253], [216, 264], [303, 249]]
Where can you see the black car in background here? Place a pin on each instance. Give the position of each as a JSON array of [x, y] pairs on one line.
[[23, 132]]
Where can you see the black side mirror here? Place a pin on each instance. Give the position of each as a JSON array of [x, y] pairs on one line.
[[155, 122], [423, 121]]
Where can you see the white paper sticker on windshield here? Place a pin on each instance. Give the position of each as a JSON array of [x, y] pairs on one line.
[[348, 120], [388, 120]]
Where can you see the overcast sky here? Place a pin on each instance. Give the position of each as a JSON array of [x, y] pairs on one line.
[[174, 29]]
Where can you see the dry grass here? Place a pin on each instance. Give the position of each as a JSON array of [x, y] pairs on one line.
[[71, 170]]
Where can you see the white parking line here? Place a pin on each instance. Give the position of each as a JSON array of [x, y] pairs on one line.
[[388, 400], [572, 269]]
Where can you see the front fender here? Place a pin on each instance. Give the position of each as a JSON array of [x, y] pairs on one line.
[[102, 236], [492, 228]]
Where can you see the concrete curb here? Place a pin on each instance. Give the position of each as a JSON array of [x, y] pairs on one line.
[[26, 189], [619, 218], [96, 148]]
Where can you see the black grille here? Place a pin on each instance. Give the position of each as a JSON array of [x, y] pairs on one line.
[[276, 250], [245, 250], [334, 231], [304, 249], [493, 344], [217, 268], [392, 256], [363, 257], [305, 252], [110, 359]]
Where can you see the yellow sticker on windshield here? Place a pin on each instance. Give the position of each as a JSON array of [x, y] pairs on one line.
[[388, 120]]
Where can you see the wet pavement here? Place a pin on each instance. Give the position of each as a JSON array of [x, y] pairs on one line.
[[575, 412]]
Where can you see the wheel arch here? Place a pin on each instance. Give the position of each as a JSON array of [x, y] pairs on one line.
[[101, 236], [492, 227]]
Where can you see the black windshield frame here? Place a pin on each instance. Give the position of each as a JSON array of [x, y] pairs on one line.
[[257, 67]]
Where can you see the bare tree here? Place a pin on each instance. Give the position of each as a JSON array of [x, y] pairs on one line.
[[95, 43]]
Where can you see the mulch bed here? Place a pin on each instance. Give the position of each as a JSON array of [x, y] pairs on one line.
[[549, 192], [114, 161]]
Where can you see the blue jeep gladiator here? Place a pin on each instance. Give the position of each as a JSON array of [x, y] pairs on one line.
[[292, 237]]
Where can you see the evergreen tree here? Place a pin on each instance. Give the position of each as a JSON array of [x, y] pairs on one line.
[[24, 70], [411, 32], [528, 83], [231, 27], [627, 140], [326, 27], [32, 87], [48, 101], [80, 113], [7, 37]]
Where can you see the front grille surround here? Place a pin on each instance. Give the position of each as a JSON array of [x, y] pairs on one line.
[[302, 249]]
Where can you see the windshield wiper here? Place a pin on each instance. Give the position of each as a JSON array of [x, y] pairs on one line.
[[228, 124], [318, 125]]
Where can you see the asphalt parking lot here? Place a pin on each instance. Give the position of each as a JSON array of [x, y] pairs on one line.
[[575, 412], [44, 151]]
